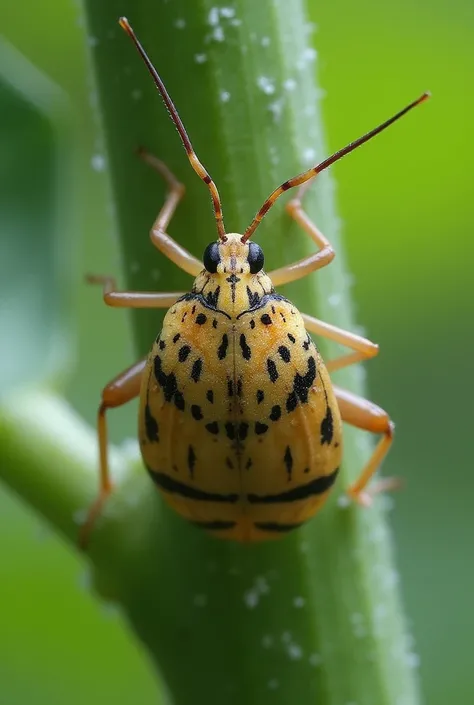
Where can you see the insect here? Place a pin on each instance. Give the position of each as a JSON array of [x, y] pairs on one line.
[[239, 424]]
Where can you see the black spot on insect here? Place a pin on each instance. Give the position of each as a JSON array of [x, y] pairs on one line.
[[252, 324], [336, 445], [151, 426], [260, 428], [230, 430], [170, 387], [176, 337], [214, 323], [196, 370], [162, 345], [243, 430], [191, 460], [283, 317], [306, 470], [327, 427], [273, 310], [272, 370], [253, 297], [212, 427], [229, 463], [284, 353], [210, 396], [248, 464], [212, 297], [303, 383], [179, 400], [275, 412], [183, 353], [193, 310], [291, 402], [222, 349], [201, 319], [246, 351], [265, 319], [260, 396], [230, 388], [239, 387], [307, 343], [184, 316], [291, 338], [196, 412], [288, 459]]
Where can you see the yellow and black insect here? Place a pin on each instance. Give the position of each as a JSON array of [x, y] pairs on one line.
[[239, 423]]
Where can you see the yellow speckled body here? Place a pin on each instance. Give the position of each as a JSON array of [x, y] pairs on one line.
[[238, 423]]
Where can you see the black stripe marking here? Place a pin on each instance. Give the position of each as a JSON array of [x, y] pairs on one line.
[[196, 370], [284, 353], [151, 426], [327, 427], [230, 430], [288, 458], [209, 301], [168, 484], [253, 297], [196, 412], [246, 351], [315, 487], [291, 337], [273, 526], [162, 345], [176, 337], [272, 370], [210, 396], [222, 349], [191, 460], [179, 400], [215, 525], [263, 302]]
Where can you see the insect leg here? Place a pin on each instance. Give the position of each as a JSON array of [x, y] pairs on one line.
[[302, 267], [161, 240], [363, 414], [122, 389], [363, 348], [132, 299]]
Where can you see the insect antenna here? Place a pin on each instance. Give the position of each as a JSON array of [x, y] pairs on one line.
[[192, 156], [310, 173]]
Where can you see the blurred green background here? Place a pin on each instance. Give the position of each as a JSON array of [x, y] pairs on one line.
[[408, 229]]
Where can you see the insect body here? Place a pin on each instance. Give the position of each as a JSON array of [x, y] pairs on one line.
[[239, 423]]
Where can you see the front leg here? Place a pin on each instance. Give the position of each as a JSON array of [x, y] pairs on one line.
[[132, 299]]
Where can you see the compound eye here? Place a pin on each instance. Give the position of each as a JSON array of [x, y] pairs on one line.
[[255, 258], [211, 257]]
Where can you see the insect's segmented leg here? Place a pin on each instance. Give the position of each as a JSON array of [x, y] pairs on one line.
[[363, 348], [133, 299], [161, 240], [122, 389], [302, 267], [364, 414]]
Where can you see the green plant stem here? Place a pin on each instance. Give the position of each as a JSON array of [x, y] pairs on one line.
[[315, 617]]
